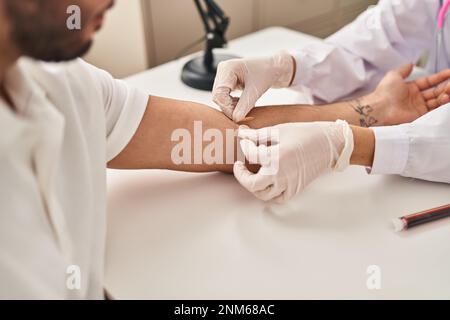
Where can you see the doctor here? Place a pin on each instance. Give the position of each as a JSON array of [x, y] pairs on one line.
[[384, 37]]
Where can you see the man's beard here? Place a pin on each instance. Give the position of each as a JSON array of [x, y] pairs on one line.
[[42, 36], [52, 51]]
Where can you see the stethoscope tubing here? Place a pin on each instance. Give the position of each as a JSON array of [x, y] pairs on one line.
[[440, 41]]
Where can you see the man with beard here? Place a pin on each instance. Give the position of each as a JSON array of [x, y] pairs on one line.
[[63, 122]]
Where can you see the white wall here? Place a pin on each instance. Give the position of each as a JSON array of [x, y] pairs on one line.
[[144, 33], [176, 23], [120, 46]]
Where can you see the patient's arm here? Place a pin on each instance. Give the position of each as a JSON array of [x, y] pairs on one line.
[[153, 144]]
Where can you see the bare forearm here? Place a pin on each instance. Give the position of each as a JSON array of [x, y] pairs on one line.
[[364, 146], [155, 143], [358, 112], [170, 124], [364, 138]]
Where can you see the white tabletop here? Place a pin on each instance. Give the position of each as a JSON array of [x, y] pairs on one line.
[[178, 235]]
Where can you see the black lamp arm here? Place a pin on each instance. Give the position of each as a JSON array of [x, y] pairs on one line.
[[199, 72], [203, 15], [219, 18], [211, 12]]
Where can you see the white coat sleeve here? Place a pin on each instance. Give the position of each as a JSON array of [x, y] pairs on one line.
[[420, 149], [384, 37]]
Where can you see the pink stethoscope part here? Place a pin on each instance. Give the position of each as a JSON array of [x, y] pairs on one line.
[[442, 13]]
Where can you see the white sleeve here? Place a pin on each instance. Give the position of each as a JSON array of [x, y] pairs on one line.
[[384, 37], [124, 109], [418, 150]]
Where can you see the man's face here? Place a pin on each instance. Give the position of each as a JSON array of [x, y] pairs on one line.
[[39, 27]]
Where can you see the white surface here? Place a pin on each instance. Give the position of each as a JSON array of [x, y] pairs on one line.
[[189, 236]]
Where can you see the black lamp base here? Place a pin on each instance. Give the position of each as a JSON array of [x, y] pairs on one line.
[[198, 76]]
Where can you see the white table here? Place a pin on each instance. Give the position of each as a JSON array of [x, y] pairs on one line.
[[202, 236]]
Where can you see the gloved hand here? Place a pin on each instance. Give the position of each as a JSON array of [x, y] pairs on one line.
[[254, 77], [292, 156]]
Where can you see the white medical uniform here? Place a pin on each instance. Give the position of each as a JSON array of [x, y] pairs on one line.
[[385, 37], [71, 120]]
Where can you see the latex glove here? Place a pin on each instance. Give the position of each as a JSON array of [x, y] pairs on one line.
[[292, 156], [254, 77]]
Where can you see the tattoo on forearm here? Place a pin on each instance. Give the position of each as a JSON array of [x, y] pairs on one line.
[[366, 119]]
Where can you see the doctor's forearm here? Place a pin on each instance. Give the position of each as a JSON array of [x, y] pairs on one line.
[[364, 146], [356, 112], [364, 138]]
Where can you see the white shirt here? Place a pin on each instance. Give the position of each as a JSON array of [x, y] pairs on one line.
[[71, 120], [385, 37]]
